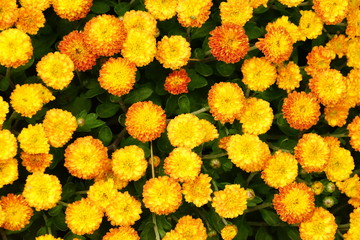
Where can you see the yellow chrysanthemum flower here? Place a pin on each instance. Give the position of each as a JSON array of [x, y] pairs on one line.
[[226, 101], [193, 13], [291, 3], [123, 210], [336, 115], [8, 145], [331, 11], [4, 109], [190, 228], [173, 52], [161, 9], [230, 202], [229, 232], [102, 193], [16, 48], [30, 20], [355, 202], [47, 237], [294, 203], [8, 13], [85, 157], [233, 12], [352, 53], [290, 27], [288, 76], [310, 25], [83, 217], [319, 59], [247, 152], [125, 232], [210, 130], [37, 4], [353, 232], [185, 130], [353, 21], [259, 74], [42, 191], [340, 165], [107, 174], [72, 9], [350, 187], [280, 169], [352, 98], [140, 21], [129, 163], [36, 162], [172, 235], [162, 195], [17, 212], [33, 139], [354, 133], [338, 44], [198, 191], [8, 172], [177, 82], [317, 187]]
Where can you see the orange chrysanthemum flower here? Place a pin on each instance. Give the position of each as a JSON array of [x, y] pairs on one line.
[[72, 9], [290, 27], [198, 191], [336, 115], [177, 82], [161, 9], [229, 43], [30, 20], [294, 203], [352, 98], [352, 53], [340, 164], [331, 11], [310, 25], [229, 232], [33, 139], [105, 35], [354, 133], [353, 22], [233, 12], [48, 237], [301, 110], [288, 76], [38, 4], [8, 145], [140, 21], [338, 44], [8, 13], [145, 121], [223, 142], [319, 59], [8, 173], [350, 187], [4, 110], [117, 76], [102, 192], [193, 13], [162, 195], [190, 228], [125, 232], [36, 162]]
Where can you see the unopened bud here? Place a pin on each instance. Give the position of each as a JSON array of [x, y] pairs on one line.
[[330, 187], [250, 194], [329, 201], [80, 122], [317, 187], [212, 233], [215, 163]]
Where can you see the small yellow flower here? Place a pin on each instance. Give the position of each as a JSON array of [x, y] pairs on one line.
[[193, 13], [229, 232], [8, 145], [47, 237], [140, 21], [353, 21], [291, 3], [8, 14], [161, 9], [354, 133], [233, 12], [4, 109], [33, 139], [124, 232], [350, 187], [336, 115], [198, 191], [310, 25], [331, 11], [190, 228], [354, 232], [338, 44], [353, 56], [36, 162], [72, 9], [37, 4], [288, 77], [290, 27], [30, 20], [210, 130], [340, 165], [102, 192], [8, 172]]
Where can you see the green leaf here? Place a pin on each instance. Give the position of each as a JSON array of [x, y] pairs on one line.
[[204, 30], [105, 135], [253, 31], [4, 83], [59, 221], [226, 164], [243, 231], [197, 81], [285, 127], [262, 234], [55, 210], [255, 201], [171, 105], [107, 110], [204, 69], [215, 220], [293, 233], [184, 104], [148, 232], [100, 7], [68, 191], [71, 236], [286, 143], [270, 217], [139, 184], [225, 70], [121, 8], [92, 92], [24, 67], [138, 95], [163, 144], [79, 104], [42, 231], [91, 122]]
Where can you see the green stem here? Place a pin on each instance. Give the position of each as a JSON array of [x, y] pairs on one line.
[[258, 207], [214, 184], [277, 148], [251, 176], [340, 234], [117, 140], [224, 221], [3, 234], [81, 192], [63, 203], [156, 229], [47, 223], [252, 48], [344, 226], [304, 4], [212, 156], [247, 93], [122, 105], [201, 110]]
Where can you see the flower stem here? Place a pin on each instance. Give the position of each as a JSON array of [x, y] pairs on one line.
[[3, 234], [252, 48], [212, 156], [122, 105], [81, 192], [344, 226], [117, 140], [156, 229], [258, 207], [47, 223], [201, 110], [63, 203], [250, 177]]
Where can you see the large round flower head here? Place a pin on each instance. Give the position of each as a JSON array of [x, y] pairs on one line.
[[198, 191], [16, 48], [105, 35], [139, 47], [56, 70], [354, 133], [352, 53], [321, 226], [161, 9], [226, 101], [37, 4], [336, 115], [190, 228], [210, 130], [229, 232], [233, 12], [83, 216], [294, 203], [290, 27], [280, 169], [177, 82], [247, 152], [353, 232], [48, 237], [8, 172], [72, 9], [310, 25], [30, 20], [162, 195], [125, 232], [85, 157], [8, 13], [123, 210], [229, 43], [277, 44], [259, 74], [185, 130], [230, 202], [338, 44], [145, 121], [340, 164], [193, 13], [42, 191], [129, 163], [17, 212], [257, 116], [140, 21], [319, 59], [182, 164], [331, 11], [74, 46], [301, 110], [4, 109], [8, 145], [291, 3], [288, 76], [173, 52], [33, 139], [102, 193], [36, 162]]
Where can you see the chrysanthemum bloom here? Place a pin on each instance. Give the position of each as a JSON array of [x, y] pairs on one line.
[[177, 82], [321, 226], [198, 191], [352, 53], [172, 235], [290, 27], [42, 191], [355, 202], [210, 130], [123, 210], [340, 164], [319, 59], [105, 35], [291, 3], [8, 14], [74, 46], [17, 212], [280, 169], [161, 9], [226, 101], [85, 157], [4, 109], [173, 52], [331, 11], [36, 162], [43, 92], [350, 187], [229, 43], [301, 110], [353, 21], [33, 139], [259, 74], [230, 202], [247, 152], [332, 141], [8, 145], [191, 228], [257, 3], [139, 47], [125, 232], [338, 44], [145, 121], [83, 217], [223, 142], [277, 44], [336, 115], [140, 21], [257, 116], [129, 163], [102, 192], [351, 97], [72, 9], [30, 20], [106, 175], [229, 232], [162, 195], [310, 25], [16, 48], [288, 76], [185, 130], [294, 203], [182, 164], [353, 232], [354, 133], [193, 13], [233, 12], [8, 172], [47, 237], [38, 4]]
